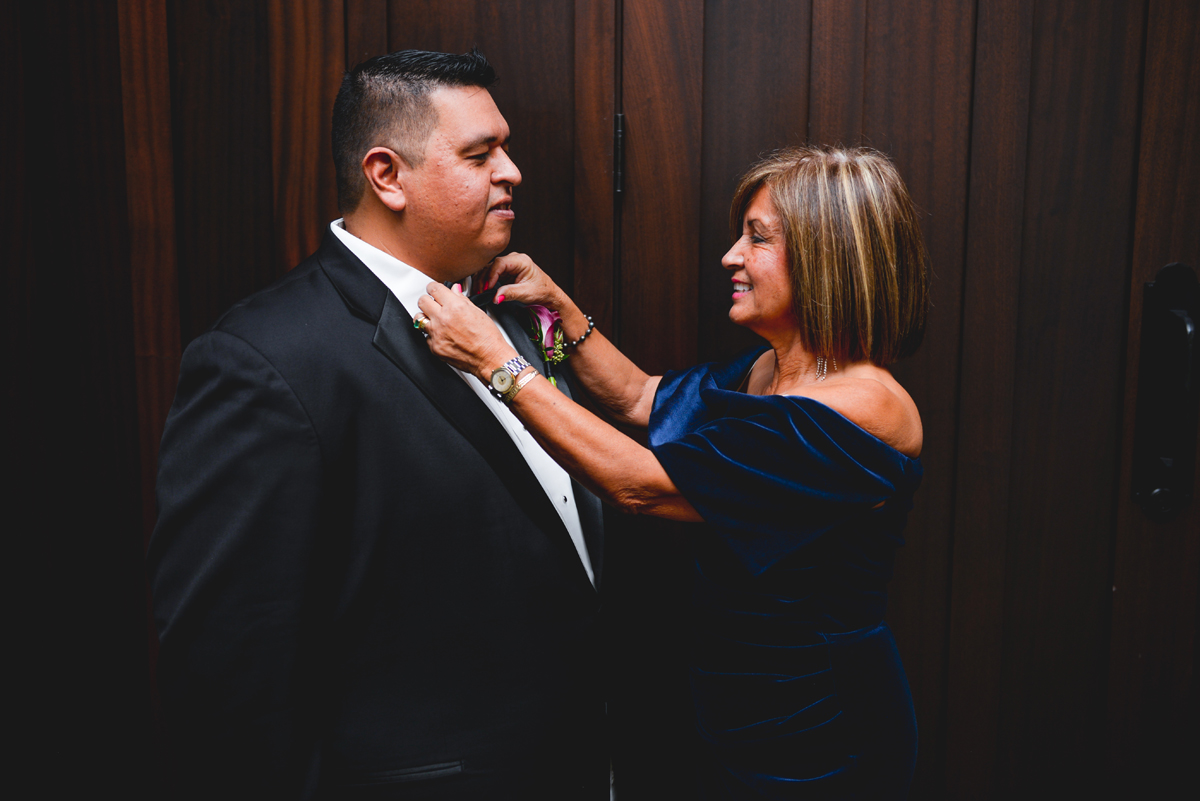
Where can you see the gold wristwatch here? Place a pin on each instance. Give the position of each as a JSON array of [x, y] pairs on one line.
[[504, 379]]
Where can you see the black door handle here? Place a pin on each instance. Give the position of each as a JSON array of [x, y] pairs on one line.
[[1168, 399]]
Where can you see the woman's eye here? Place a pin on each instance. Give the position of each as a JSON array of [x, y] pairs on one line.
[[756, 239]]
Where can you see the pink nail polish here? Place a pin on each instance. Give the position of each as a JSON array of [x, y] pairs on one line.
[[458, 288], [499, 298]]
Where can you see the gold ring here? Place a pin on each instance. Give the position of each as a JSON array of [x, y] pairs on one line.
[[419, 322]]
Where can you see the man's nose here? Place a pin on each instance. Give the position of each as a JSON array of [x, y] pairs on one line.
[[506, 171]]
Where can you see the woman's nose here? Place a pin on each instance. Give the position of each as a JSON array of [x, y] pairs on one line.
[[732, 258]]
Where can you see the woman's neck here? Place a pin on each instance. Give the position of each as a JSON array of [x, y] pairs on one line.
[[783, 369]]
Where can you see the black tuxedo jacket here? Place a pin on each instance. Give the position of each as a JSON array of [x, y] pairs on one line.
[[360, 588]]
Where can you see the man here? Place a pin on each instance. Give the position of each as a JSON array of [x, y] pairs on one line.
[[368, 579]]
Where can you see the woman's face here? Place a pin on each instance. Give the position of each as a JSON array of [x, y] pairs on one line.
[[762, 291]]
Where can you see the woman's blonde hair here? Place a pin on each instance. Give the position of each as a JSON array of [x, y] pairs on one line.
[[856, 258]]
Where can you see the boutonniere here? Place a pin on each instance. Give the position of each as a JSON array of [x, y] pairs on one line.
[[546, 331]]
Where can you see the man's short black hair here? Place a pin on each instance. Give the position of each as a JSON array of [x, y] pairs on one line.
[[385, 101]]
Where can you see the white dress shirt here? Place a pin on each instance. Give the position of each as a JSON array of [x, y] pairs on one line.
[[408, 285]]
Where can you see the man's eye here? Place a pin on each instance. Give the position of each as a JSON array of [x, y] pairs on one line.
[[479, 156]]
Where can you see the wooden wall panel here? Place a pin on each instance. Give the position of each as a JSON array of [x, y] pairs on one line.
[[221, 107], [595, 205], [919, 58], [1152, 682], [839, 33], [1086, 61], [307, 57], [753, 103], [658, 259], [531, 45], [983, 462], [449, 26], [150, 187], [366, 29], [150, 181], [662, 96]]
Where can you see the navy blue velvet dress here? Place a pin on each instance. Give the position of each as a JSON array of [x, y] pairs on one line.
[[798, 688]]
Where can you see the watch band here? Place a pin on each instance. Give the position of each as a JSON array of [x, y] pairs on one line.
[[507, 397], [515, 365]]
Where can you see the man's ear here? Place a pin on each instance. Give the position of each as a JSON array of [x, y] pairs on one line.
[[385, 172]]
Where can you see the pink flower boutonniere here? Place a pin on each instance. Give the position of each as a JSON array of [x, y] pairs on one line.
[[546, 331]]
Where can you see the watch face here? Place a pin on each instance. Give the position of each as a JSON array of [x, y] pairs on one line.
[[502, 380]]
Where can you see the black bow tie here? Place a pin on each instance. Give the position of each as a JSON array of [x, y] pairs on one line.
[[484, 298]]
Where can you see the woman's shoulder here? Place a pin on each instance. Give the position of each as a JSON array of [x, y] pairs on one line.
[[876, 403]]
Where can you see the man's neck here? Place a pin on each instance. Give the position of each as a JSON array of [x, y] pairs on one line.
[[382, 235], [384, 230]]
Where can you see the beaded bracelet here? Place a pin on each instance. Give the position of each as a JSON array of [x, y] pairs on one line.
[[583, 336]]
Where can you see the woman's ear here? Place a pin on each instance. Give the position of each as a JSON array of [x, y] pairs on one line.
[[385, 171]]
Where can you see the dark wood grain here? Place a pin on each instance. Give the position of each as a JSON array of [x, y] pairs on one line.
[[366, 30], [1152, 697], [839, 32], [595, 110], [919, 57], [660, 218], [984, 458], [661, 95], [149, 175], [150, 188], [1085, 70], [755, 101], [307, 57], [448, 26], [221, 121]]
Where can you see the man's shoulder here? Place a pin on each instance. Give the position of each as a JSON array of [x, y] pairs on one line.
[[301, 312], [278, 302]]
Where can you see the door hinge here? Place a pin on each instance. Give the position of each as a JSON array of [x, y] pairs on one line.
[[619, 155]]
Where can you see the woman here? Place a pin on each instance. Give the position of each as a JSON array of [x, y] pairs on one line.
[[798, 459]]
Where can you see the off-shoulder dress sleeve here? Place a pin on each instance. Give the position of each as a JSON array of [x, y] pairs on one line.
[[768, 473]]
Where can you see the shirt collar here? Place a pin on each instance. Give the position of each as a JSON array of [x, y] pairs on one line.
[[406, 282]]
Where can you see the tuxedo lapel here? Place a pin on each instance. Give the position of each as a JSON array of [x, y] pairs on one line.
[[396, 338]]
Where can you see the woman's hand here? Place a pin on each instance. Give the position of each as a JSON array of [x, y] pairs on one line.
[[461, 334], [525, 282]]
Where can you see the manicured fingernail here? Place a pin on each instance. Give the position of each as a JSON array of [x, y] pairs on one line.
[[499, 298], [458, 288], [486, 284]]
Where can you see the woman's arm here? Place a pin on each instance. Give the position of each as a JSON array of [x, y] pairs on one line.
[[606, 373], [612, 465]]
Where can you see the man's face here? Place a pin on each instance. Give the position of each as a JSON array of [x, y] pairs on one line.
[[457, 208]]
